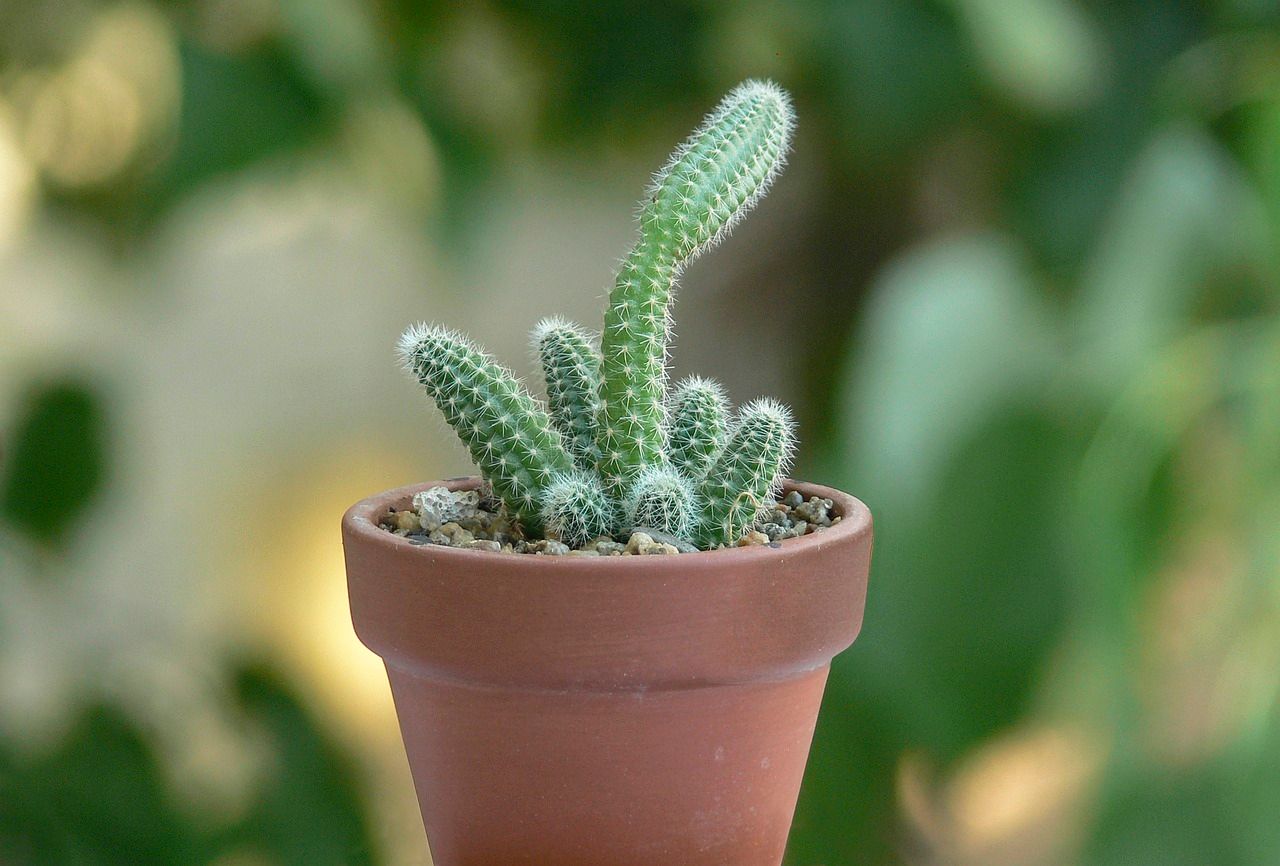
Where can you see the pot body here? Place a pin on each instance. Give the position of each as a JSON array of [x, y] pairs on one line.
[[607, 711]]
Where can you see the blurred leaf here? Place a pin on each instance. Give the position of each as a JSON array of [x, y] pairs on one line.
[[309, 812], [335, 41], [1185, 213], [1124, 501], [236, 111], [1044, 53], [968, 597], [1178, 820], [99, 798], [895, 74], [968, 590], [613, 59], [1261, 146], [952, 330], [56, 461], [847, 809], [1254, 800], [970, 586]]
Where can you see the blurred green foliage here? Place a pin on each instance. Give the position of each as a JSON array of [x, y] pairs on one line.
[[102, 797], [1041, 307], [100, 794], [56, 462]]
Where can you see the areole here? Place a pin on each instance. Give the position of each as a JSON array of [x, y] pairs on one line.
[[607, 710]]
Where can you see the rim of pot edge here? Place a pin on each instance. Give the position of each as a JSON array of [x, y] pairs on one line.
[[363, 518]]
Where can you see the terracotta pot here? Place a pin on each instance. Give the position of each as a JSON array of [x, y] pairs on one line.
[[607, 711]]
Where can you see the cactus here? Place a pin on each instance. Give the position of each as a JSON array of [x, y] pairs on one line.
[[577, 509], [509, 435], [571, 368], [661, 498], [695, 425], [745, 476], [609, 449], [709, 182]]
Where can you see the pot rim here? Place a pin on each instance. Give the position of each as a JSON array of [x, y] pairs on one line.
[[362, 520], [597, 623]]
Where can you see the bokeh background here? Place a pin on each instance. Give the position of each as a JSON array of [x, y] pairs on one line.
[[1020, 283]]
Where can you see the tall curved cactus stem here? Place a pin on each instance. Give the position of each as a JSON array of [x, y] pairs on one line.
[[509, 435], [571, 368], [696, 425], [743, 478], [711, 180]]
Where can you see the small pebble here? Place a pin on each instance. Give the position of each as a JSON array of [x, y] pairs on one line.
[[547, 547], [485, 544], [452, 534], [407, 521], [435, 507], [584, 552], [639, 542], [644, 544], [792, 499], [660, 549], [780, 516], [476, 522], [752, 538], [817, 511], [661, 537]]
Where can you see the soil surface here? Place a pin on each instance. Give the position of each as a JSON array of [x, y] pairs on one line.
[[474, 519]]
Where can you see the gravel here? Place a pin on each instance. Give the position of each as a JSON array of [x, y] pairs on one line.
[[475, 520]]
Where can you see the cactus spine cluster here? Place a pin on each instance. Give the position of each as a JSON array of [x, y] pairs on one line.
[[571, 367], [510, 436], [612, 450], [696, 425], [743, 477]]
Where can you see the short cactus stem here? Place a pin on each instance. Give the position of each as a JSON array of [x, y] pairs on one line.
[[663, 499], [744, 478], [710, 181], [509, 435], [571, 367], [696, 425], [576, 508]]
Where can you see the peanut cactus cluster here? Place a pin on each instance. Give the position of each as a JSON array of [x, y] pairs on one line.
[[611, 449]]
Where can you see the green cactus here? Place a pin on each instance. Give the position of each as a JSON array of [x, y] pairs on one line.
[[744, 477], [663, 499], [696, 425], [509, 435], [577, 509], [610, 450], [571, 367], [710, 181]]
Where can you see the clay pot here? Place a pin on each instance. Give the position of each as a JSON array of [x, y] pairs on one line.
[[607, 711]]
